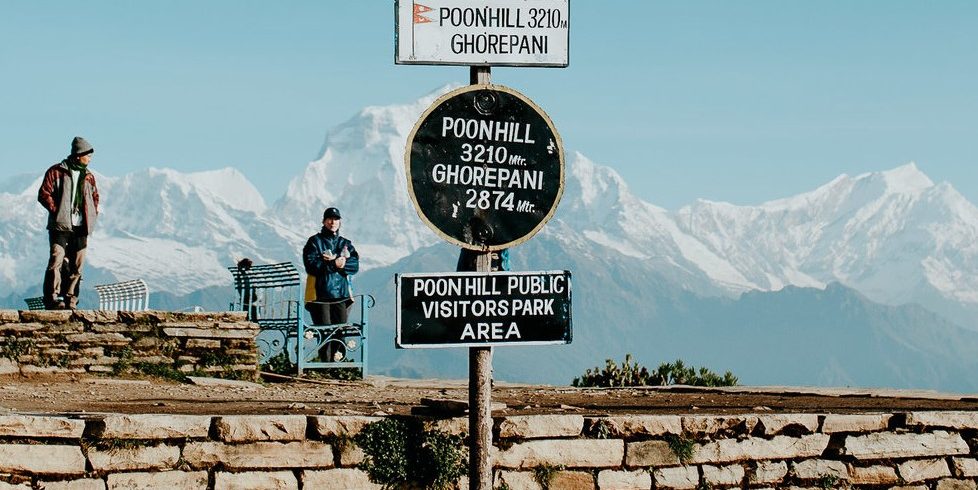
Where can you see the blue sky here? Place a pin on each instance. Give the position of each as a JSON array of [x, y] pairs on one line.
[[741, 101]]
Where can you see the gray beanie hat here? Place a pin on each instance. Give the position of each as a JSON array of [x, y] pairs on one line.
[[80, 147]]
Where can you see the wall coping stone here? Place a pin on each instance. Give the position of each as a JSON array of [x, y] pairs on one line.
[[540, 426], [637, 425], [41, 426], [834, 423], [253, 428], [947, 419]]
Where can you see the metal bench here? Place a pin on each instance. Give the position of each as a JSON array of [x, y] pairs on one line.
[[272, 297], [123, 296], [36, 303]]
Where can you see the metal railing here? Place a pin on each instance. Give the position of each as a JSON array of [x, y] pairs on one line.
[[123, 296]]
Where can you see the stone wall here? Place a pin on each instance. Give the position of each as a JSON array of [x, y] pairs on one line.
[[915, 450], [110, 342]]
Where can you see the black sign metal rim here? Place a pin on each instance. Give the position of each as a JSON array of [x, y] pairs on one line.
[[412, 192]]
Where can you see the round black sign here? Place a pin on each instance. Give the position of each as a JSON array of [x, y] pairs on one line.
[[485, 167]]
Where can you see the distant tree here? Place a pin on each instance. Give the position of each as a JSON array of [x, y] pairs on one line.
[[630, 373]]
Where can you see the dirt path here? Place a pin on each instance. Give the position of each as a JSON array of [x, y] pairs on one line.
[[379, 395]]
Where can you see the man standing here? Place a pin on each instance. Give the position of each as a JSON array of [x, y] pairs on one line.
[[330, 261], [70, 195]]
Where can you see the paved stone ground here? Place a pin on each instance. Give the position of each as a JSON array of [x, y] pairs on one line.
[[379, 395]]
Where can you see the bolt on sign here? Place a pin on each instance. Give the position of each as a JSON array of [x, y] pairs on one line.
[[485, 167], [480, 32], [477, 309]]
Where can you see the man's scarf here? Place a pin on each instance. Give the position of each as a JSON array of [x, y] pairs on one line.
[[76, 166]]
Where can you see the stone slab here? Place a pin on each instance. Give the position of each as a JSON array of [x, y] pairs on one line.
[[855, 423], [950, 420], [45, 316], [571, 453], [623, 480], [342, 426], [9, 366], [517, 480], [965, 467], [873, 475], [254, 428], [724, 475], [161, 457], [950, 484], [814, 469], [574, 480], [768, 472], [210, 333], [540, 426], [82, 484], [679, 477], [753, 448], [338, 479], [919, 470], [15, 486], [639, 425], [153, 426], [773, 424], [40, 426], [259, 455], [184, 480], [96, 316], [719, 424], [256, 480], [650, 454], [41, 459], [885, 445]]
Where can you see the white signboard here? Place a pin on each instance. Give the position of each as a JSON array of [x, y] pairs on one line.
[[482, 32]]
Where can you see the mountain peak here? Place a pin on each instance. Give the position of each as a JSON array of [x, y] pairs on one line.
[[905, 179]]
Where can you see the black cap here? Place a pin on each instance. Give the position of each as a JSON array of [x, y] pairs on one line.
[[332, 213]]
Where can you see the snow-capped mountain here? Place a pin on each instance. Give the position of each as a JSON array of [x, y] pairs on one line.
[[894, 236]]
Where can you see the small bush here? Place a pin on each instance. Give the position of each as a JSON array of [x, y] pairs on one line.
[[682, 447], [544, 475], [401, 452], [632, 374]]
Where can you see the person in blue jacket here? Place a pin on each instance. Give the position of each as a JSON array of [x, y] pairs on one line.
[[331, 260]]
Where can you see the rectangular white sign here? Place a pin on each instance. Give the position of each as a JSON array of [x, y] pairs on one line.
[[482, 32]]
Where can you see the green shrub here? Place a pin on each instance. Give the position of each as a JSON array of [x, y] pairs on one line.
[[544, 475], [682, 447], [401, 452], [632, 374]]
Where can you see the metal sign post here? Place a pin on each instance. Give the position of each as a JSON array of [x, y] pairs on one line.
[[480, 374]]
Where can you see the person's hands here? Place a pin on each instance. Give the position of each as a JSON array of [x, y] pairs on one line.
[[340, 262]]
